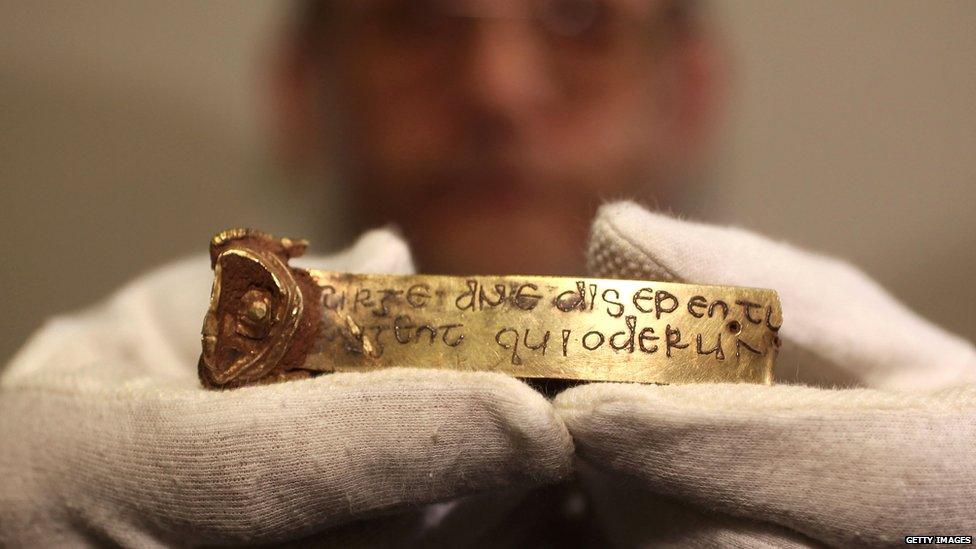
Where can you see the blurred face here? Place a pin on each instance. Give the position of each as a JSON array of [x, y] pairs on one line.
[[490, 130]]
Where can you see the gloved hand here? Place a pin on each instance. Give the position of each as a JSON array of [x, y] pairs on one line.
[[106, 436], [883, 445]]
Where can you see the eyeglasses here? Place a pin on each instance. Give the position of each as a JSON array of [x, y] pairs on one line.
[[571, 35]]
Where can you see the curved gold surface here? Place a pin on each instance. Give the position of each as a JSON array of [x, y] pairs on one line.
[[528, 326]]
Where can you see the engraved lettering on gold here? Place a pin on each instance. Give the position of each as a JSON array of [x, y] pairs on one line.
[[584, 329], [270, 321]]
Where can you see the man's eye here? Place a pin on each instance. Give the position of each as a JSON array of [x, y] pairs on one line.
[[573, 19]]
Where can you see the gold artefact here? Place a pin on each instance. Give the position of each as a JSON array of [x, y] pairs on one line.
[[269, 321]]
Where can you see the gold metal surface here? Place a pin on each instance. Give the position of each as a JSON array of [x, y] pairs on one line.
[[281, 322]]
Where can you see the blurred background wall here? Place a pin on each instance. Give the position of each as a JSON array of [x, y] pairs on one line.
[[132, 131]]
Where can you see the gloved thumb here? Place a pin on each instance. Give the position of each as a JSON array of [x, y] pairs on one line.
[[839, 326]]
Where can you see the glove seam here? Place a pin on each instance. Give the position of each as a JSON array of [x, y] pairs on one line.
[[932, 403], [618, 233]]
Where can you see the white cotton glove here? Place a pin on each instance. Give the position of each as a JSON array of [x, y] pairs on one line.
[[750, 465], [106, 436]]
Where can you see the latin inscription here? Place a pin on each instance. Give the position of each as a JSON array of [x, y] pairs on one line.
[[581, 318]]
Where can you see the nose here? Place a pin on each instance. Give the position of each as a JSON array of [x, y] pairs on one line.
[[506, 73]]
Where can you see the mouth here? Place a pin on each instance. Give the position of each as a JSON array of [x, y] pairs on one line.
[[502, 188]]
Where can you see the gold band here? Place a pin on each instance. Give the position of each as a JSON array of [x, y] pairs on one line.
[[269, 321]]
